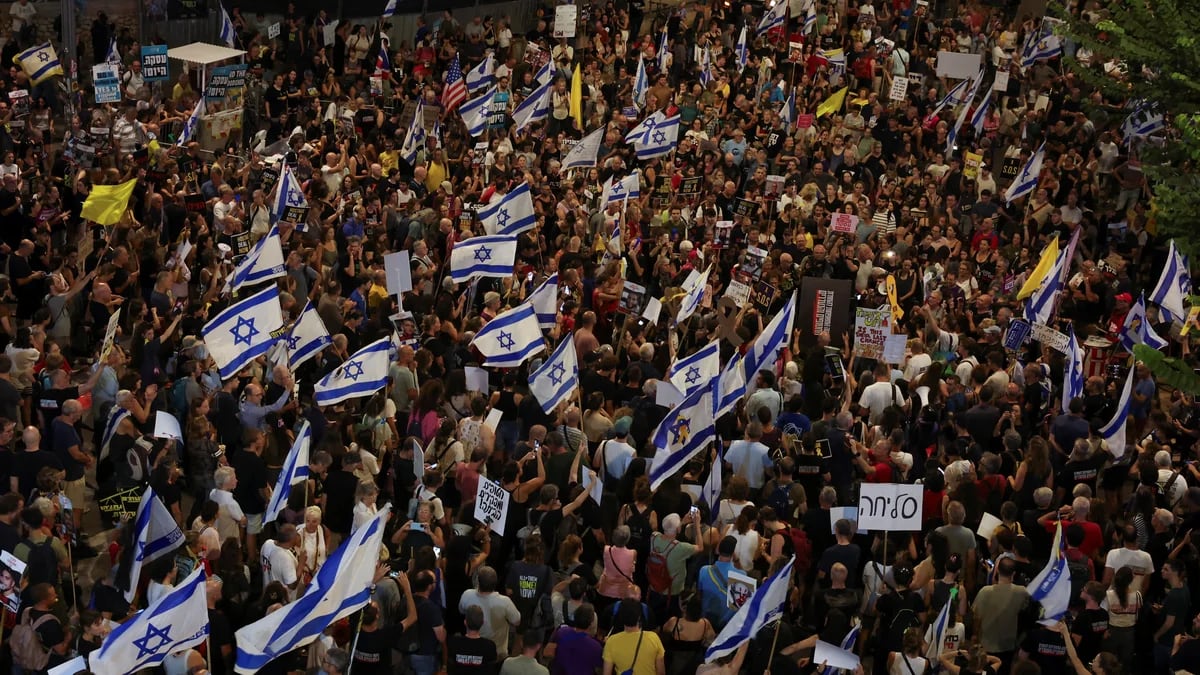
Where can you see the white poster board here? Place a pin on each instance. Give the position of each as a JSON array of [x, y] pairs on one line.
[[399, 272], [958, 66], [273, 31], [834, 657], [890, 506], [492, 421], [166, 426], [1051, 338], [565, 18], [667, 395], [595, 488], [1001, 81], [893, 349], [653, 310], [329, 33], [739, 589], [477, 379], [899, 90], [738, 292], [845, 223], [491, 505], [110, 333], [987, 526], [850, 513]]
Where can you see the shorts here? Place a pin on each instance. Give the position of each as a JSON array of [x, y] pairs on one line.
[[74, 490], [254, 523]]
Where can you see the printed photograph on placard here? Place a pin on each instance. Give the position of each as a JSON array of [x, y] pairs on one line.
[[633, 298], [11, 571]]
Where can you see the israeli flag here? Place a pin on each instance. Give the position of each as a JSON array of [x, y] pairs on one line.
[[1039, 307], [1173, 287], [482, 75], [612, 247], [155, 534], [1042, 44], [1113, 432], [696, 369], [763, 608], [1143, 121], [544, 299], [686, 430], [244, 331], [704, 60], [510, 339], [981, 113], [585, 153], [743, 51], [533, 109], [935, 635], [263, 263], [1052, 586], [775, 17], [545, 74], [1027, 180], [710, 492], [642, 129], [228, 34], [114, 420], [414, 139], [1137, 329], [628, 187], [558, 378], [776, 336], [663, 54], [389, 10], [641, 84], [295, 470], [363, 374], [962, 113], [192, 124], [1073, 373], [810, 19], [491, 256], [476, 112], [851, 637], [661, 139], [693, 296], [731, 385], [342, 586], [307, 337], [173, 623], [788, 113], [287, 193], [113, 55], [511, 215], [952, 97]]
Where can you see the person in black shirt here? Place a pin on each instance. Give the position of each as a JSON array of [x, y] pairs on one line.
[[470, 652], [252, 488], [340, 487]]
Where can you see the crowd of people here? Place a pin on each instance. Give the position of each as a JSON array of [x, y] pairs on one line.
[[624, 579]]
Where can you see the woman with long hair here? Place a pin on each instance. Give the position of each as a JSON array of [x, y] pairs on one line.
[[685, 637], [749, 543], [424, 419], [908, 660], [1033, 472], [1124, 605]]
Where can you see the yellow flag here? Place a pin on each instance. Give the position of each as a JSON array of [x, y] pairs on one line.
[[577, 97], [1039, 273], [833, 103], [107, 203]]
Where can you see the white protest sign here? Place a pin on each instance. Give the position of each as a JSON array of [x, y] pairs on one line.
[[71, 667], [166, 426], [493, 418], [595, 488], [653, 310], [1001, 81], [893, 348], [273, 31], [477, 379], [330, 32], [844, 222], [565, 18], [899, 90], [110, 333], [739, 589], [399, 272], [1050, 337], [739, 292], [834, 657], [890, 506], [850, 513], [987, 526], [491, 505], [871, 328], [957, 66]]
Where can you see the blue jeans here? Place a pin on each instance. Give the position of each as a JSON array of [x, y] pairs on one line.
[[423, 664]]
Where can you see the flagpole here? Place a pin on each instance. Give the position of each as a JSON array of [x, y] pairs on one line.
[[354, 645], [774, 642]]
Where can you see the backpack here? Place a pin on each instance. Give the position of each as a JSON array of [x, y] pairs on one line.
[[41, 563], [658, 572], [639, 530], [27, 649], [801, 548], [179, 402], [902, 621], [1081, 573], [780, 501]]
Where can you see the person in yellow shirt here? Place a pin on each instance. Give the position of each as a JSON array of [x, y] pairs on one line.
[[182, 88], [377, 297], [633, 649], [390, 157], [436, 171]]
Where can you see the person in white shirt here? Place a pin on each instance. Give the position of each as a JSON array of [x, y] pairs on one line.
[[23, 13], [615, 454], [918, 362], [749, 458], [278, 558], [230, 519], [364, 507], [881, 394], [1130, 555]]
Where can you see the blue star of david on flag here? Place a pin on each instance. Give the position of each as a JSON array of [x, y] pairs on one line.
[[659, 137], [483, 254], [693, 375], [43, 57], [618, 188], [293, 342], [506, 340], [161, 636], [248, 336], [354, 370], [502, 218], [557, 373]]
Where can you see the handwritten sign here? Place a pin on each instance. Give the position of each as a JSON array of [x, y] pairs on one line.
[[122, 504], [1051, 338], [899, 91], [871, 328], [110, 333], [845, 223], [491, 505], [893, 348], [738, 291], [890, 506], [1001, 81]]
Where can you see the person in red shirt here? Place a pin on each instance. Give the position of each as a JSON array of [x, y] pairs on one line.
[[1077, 514]]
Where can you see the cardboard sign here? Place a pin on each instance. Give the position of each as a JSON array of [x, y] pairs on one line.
[[399, 272], [107, 83], [899, 90], [273, 31], [739, 589], [957, 65], [845, 223], [890, 506], [491, 505], [1018, 332], [739, 292], [155, 67], [632, 297], [893, 349], [565, 19], [1050, 337], [871, 328], [762, 295], [1001, 81]]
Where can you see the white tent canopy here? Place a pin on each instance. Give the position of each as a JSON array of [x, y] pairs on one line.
[[202, 53]]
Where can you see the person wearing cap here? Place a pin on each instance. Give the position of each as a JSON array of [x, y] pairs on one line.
[[615, 454], [714, 584], [278, 558]]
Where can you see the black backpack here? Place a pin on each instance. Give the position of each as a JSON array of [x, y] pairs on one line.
[[904, 619], [780, 500], [639, 531]]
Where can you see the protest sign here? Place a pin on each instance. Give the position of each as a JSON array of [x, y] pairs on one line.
[[273, 31], [399, 272], [899, 90], [110, 333], [1051, 338], [971, 163], [1018, 332], [491, 505], [653, 310], [632, 297], [565, 18], [739, 589], [871, 328], [835, 657], [850, 513], [123, 504], [987, 526], [846, 223], [893, 349], [956, 65], [477, 379], [762, 294], [1001, 81], [752, 264], [329, 33], [166, 426], [155, 67], [106, 82], [738, 291], [890, 506], [11, 571]]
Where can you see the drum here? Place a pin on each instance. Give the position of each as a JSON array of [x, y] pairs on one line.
[[1097, 351]]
